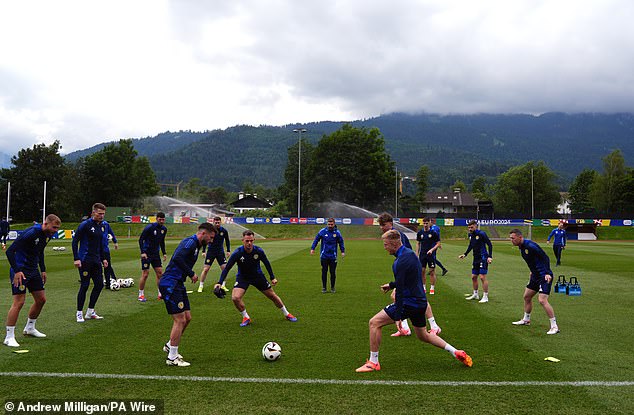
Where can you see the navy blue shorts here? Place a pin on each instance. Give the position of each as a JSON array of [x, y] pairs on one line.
[[154, 261], [415, 314], [427, 261], [480, 268], [258, 281], [218, 256], [33, 282], [539, 284], [175, 297]]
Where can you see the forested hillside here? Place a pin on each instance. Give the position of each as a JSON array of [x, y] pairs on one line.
[[454, 146]]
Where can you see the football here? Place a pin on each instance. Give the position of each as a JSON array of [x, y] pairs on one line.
[[114, 285], [271, 351]]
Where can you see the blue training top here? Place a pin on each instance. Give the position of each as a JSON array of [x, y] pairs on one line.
[[479, 241], [215, 246], [152, 238], [106, 240], [427, 239], [407, 281], [182, 263], [560, 236], [536, 259], [329, 241], [248, 263], [88, 241], [27, 252]]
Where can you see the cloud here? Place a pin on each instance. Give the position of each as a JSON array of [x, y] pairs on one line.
[[85, 72]]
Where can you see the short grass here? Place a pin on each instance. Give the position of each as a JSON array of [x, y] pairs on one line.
[[331, 339]]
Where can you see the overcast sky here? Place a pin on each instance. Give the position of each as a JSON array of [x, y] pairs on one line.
[[85, 72]]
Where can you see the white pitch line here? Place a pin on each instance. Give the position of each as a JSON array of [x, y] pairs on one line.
[[582, 383]]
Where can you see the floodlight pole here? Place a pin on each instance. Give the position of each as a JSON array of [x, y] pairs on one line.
[[299, 172], [44, 204], [8, 198], [396, 193]]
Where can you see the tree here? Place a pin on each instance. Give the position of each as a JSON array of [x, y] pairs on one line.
[[579, 192], [513, 190], [351, 166], [422, 183], [459, 184], [479, 188], [116, 176], [608, 188], [31, 168], [288, 190]]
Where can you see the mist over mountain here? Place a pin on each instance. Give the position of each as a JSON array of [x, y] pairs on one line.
[[455, 147]]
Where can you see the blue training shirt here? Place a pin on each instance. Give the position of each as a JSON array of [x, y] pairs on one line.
[[329, 241], [536, 259], [215, 246], [88, 241], [427, 240], [407, 281], [182, 263], [479, 242], [27, 252], [152, 239], [248, 263], [560, 236]]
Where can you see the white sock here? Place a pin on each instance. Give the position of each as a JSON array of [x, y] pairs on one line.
[[90, 311], [10, 332], [527, 316], [450, 349], [244, 313], [485, 295], [553, 322], [173, 352], [223, 283], [431, 287], [30, 324], [202, 284], [141, 292], [284, 310], [404, 325], [475, 292], [432, 323], [374, 357]]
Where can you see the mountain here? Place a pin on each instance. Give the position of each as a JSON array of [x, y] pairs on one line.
[[455, 147]]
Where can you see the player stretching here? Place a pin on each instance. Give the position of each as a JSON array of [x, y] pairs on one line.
[[386, 223], [215, 251], [411, 303], [478, 242], [25, 255], [540, 281], [172, 287], [248, 258], [151, 240]]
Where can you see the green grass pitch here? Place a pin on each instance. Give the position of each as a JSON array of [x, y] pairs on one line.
[[320, 352]]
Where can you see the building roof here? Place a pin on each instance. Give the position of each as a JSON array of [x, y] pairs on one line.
[[250, 201], [455, 198]]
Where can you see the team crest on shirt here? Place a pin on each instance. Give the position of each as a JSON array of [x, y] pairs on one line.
[[103, 229], [222, 233], [255, 256], [162, 231], [526, 251], [477, 237], [429, 236], [181, 305]]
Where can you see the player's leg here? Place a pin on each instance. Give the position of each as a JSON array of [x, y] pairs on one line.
[[203, 276], [39, 299], [528, 307], [96, 274], [180, 322], [236, 296], [332, 267], [474, 282], [159, 273], [12, 318], [433, 326], [84, 283], [272, 295], [437, 341], [550, 312], [145, 272], [432, 278], [376, 323], [485, 287], [324, 274], [424, 277]]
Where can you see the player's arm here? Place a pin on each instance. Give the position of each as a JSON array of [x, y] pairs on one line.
[[469, 248], [267, 264], [142, 240], [79, 233], [162, 244], [315, 242], [550, 236], [227, 241], [342, 247]]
